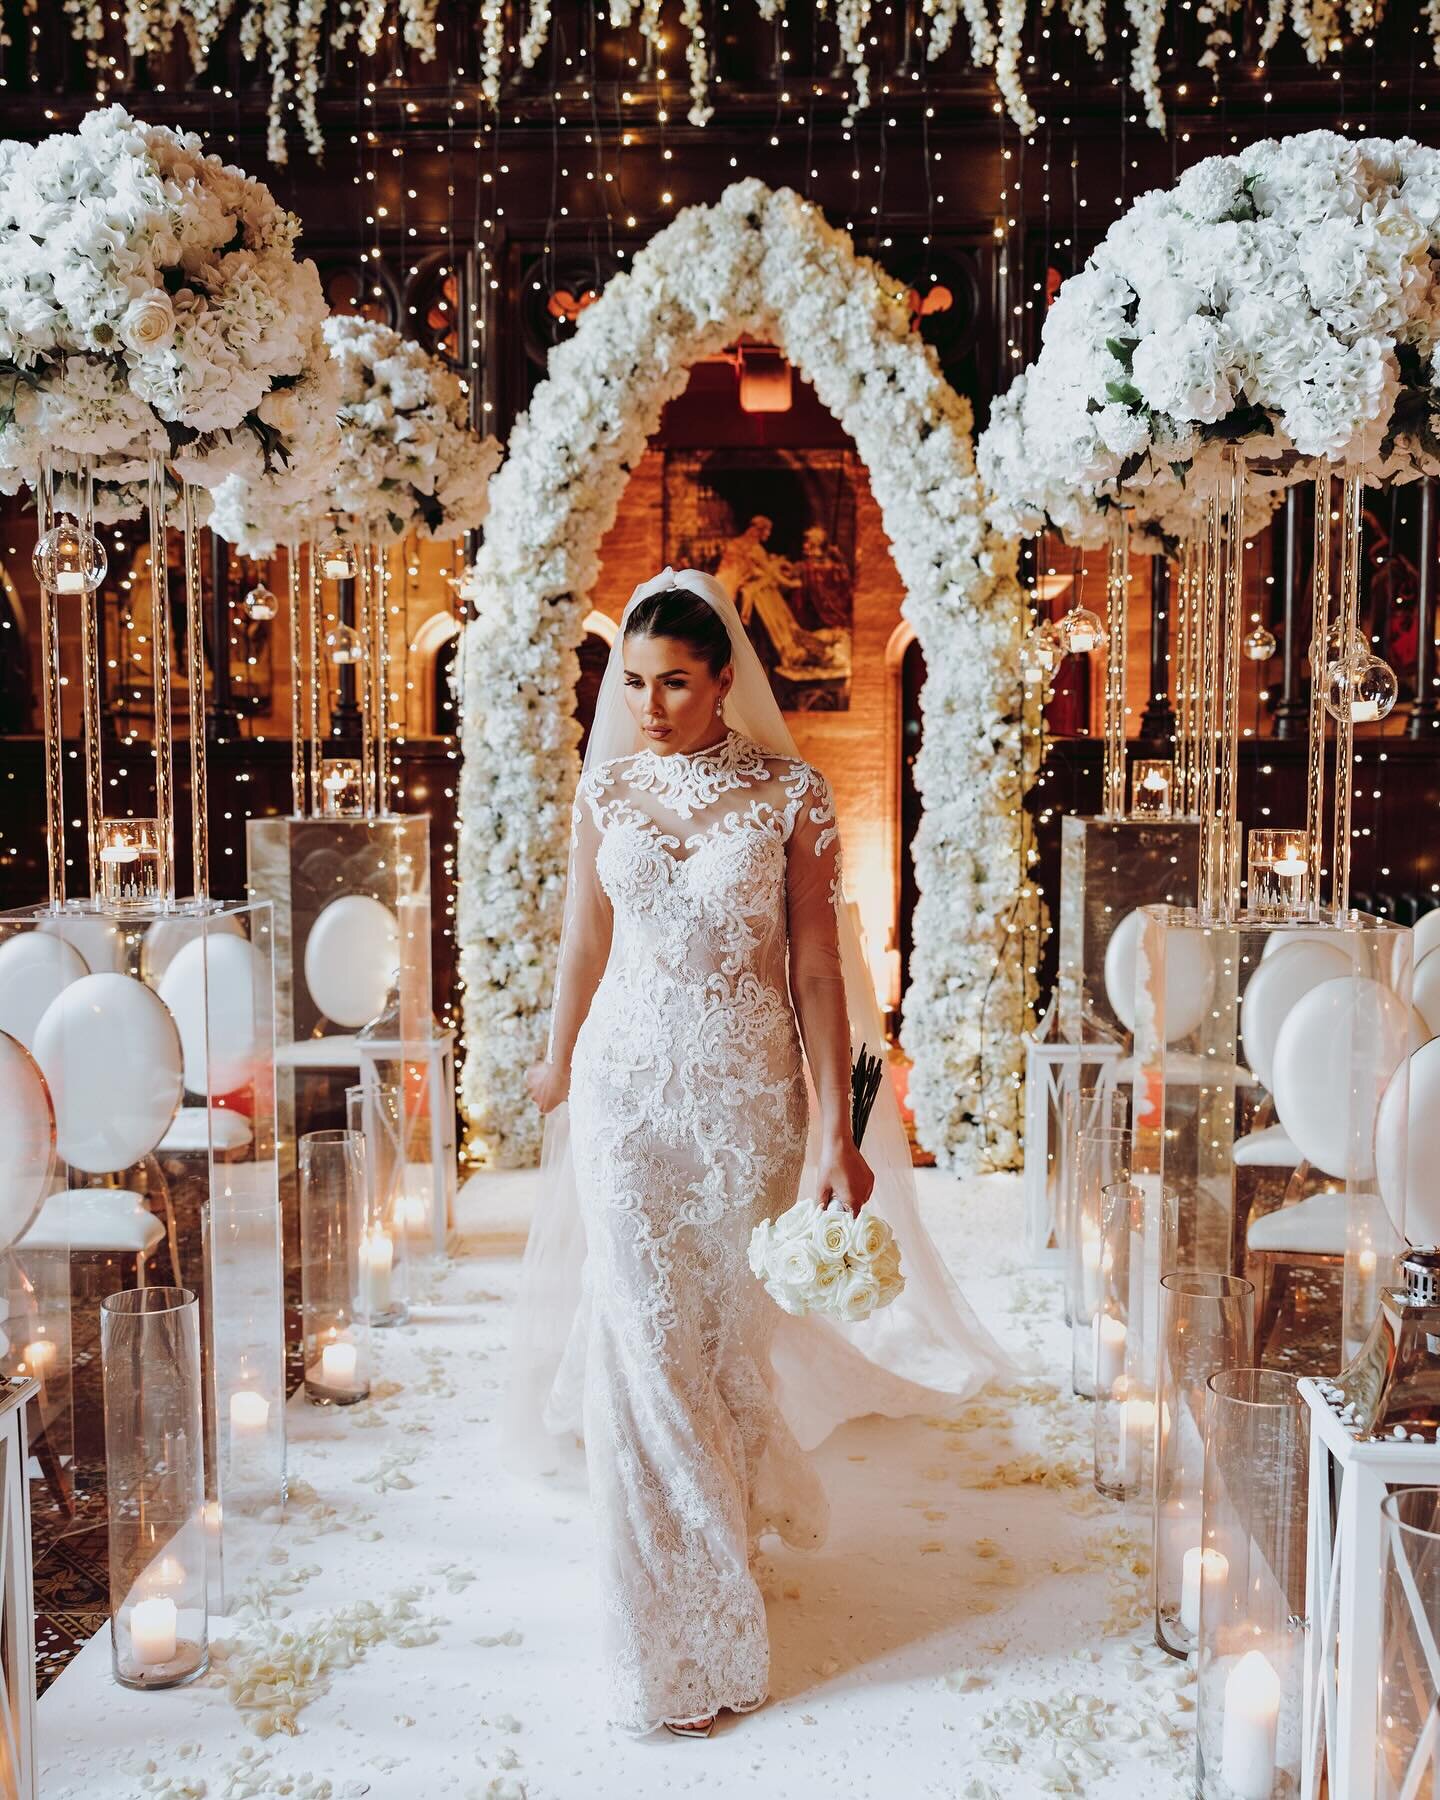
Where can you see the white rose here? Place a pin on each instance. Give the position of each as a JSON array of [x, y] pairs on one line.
[[759, 1246], [869, 1234], [832, 1233], [798, 1221], [827, 1278], [857, 1296], [148, 323], [785, 1298], [793, 1263]]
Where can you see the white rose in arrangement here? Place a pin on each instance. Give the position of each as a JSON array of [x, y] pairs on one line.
[[821, 1260], [148, 323]]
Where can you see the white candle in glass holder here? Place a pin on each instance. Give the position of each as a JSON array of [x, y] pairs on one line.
[[377, 1258], [1109, 1351], [1089, 1267], [40, 1355], [1201, 1568], [337, 1365], [70, 581], [249, 1413], [152, 1630], [1252, 1717]]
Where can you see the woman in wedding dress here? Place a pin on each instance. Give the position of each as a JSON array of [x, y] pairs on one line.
[[704, 944]]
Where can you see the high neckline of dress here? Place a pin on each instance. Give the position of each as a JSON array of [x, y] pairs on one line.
[[721, 751]]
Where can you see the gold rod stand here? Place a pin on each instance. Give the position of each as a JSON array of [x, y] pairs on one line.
[[1319, 626], [50, 697], [1351, 517], [90, 704], [1117, 565], [195, 660], [312, 651], [297, 699], [1227, 799], [160, 667]]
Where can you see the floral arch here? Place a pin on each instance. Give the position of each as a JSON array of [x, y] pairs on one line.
[[766, 263]]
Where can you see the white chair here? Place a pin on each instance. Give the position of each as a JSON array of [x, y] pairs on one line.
[[99, 1222]]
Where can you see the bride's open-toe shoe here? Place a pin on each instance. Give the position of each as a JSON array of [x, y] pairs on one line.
[[691, 1727]]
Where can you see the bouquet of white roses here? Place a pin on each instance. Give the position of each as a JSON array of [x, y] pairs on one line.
[[821, 1259]]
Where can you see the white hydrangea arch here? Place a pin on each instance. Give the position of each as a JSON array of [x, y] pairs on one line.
[[765, 263]]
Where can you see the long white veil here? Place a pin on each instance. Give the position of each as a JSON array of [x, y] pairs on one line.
[[923, 1353]]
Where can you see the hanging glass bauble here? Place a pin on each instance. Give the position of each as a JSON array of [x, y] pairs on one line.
[[1359, 646], [1041, 650], [342, 645], [1259, 644], [339, 560], [260, 603], [69, 560], [1362, 688], [1081, 630]]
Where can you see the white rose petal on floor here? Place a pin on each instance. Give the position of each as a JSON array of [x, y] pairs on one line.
[[977, 1625]]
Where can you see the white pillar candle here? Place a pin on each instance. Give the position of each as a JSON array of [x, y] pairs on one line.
[[40, 1356], [1089, 1267], [377, 1257], [1207, 1567], [249, 1412], [152, 1630], [70, 581], [337, 1365], [1252, 1716], [1109, 1351]]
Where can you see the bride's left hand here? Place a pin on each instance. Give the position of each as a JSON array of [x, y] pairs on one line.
[[845, 1175]]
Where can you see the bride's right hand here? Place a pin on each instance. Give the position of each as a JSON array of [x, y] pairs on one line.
[[547, 1085]]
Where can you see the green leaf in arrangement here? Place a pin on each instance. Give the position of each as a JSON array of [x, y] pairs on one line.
[[1123, 350], [1123, 393]]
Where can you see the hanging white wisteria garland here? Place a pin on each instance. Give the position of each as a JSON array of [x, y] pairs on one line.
[[768, 264], [291, 36]]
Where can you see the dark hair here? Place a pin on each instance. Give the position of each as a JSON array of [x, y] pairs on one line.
[[690, 620]]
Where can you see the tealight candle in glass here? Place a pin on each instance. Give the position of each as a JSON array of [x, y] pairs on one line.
[[335, 1296], [129, 855], [341, 789], [1152, 786], [1279, 876], [1101, 1158]]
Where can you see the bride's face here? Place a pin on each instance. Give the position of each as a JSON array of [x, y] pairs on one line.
[[671, 694]]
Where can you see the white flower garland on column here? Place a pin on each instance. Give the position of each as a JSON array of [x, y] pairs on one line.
[[768, 264]]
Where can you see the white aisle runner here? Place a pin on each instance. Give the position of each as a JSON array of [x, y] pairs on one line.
[[974, 1627]]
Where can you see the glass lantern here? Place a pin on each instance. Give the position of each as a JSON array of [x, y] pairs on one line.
[[1360, 687], [1278, 884], [1040, 653], [260, 604], [69, 559], [155, 1485], [1152, 784], [1206, 1323], [1258, 644], [1081, 630], [335, 1291], [339, 560], [129, 857], [343, 646], [1407, 1736], [341, 787], [1252, 1587]]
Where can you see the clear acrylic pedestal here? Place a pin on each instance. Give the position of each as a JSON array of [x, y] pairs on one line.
[[1108, 868]]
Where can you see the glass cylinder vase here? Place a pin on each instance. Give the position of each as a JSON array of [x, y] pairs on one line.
[[1152, 788], [155, 1485], [374, 1111], [1407, 1736], [1278, 882], [335, 1296], [1252, 1594], [1206, 1324], [128, 852], [1121, 1420], [1101, 1158]]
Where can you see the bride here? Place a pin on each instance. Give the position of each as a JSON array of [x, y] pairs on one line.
[[704, 943]]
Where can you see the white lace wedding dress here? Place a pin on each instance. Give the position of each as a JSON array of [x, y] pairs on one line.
[[688, 1123]]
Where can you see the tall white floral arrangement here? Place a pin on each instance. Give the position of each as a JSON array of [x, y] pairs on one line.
[[400, 458], [1282, 299], [151, 303], [768, 264]]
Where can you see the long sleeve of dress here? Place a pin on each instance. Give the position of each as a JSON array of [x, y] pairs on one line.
[[585, 942], [817, 981]]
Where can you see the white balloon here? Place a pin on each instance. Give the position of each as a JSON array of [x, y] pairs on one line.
[[351, 956], [1284, 937], [35, 966], [27, 1140], [1189, 976], [1426, 992], [110, 1053], [1410, 1190], [214, 976], [97, 939], [1274, 988], [167, 937], [1337, 1049], [1426, 933]]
